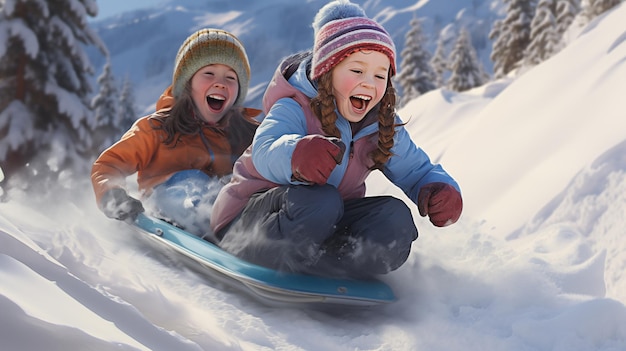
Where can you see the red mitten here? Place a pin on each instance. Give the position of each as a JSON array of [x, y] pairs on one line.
[[315, 157], [441, 202]]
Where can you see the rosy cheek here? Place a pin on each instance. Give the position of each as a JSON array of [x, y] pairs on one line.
[[350, 81], [345, 86], [380, 90]]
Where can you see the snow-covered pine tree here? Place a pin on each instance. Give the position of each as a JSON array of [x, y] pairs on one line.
[[106, 108], [511, 36], [466, 72], [439, 62], [45, 116], [416, 75], [543, 37], [127, 112], [598, 7], [566, 11]]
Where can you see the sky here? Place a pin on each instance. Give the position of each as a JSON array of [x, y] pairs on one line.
[[107, 8], [536, 261]]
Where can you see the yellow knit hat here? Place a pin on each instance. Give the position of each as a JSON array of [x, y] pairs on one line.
[[211, 46]]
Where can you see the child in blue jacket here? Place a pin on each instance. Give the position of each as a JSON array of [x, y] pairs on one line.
[[296, 201]]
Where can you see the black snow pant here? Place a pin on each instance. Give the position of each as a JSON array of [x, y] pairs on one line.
[[310, 229]]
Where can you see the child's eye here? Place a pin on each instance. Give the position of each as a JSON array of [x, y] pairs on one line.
[[357, 71], [379, 76], [233, 78]]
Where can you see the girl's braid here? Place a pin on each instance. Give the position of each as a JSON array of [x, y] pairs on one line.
[[323, 105], [386, 127]]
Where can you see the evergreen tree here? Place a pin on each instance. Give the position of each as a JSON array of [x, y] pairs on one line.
[[439, 63], [105, 106], [598, 7], [466, 71], [127, 112], [416, 75], [511, 36], [543, 37], [45, 116], [566, 11]]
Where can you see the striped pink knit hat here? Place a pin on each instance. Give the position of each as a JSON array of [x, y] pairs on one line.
[[341, 28]]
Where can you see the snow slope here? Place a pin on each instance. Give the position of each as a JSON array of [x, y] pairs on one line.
[[535, 263]]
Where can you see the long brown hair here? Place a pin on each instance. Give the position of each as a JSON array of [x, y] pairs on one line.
[[323, 106], [181, 120]]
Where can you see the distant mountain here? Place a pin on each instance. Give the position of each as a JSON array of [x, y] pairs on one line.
[[143, 43]]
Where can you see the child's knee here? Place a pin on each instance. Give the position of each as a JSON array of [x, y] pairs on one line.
[[318, 203], [403, 224]]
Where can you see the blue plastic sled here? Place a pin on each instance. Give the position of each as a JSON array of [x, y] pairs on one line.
[[264, 282]]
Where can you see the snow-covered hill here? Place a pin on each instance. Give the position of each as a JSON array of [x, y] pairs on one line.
[[535, 263], [143, 43]]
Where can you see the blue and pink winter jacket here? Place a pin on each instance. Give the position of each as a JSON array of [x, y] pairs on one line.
[[267, 163]]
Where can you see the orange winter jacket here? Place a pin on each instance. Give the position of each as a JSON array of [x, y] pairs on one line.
[[142, 151]]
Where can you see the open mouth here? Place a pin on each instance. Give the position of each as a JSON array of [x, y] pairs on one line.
[[215, 102], [360, 102]]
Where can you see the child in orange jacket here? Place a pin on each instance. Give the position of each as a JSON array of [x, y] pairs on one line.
[[181, 152]]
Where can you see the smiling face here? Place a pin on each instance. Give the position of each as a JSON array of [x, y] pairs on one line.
[[359, 83], [214, 89]]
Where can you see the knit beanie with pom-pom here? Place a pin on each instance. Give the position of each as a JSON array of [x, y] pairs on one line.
[[206, 47], [340, 29]]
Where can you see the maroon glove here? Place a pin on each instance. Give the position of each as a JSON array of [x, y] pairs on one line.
[[441, 202], [315, 157]]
